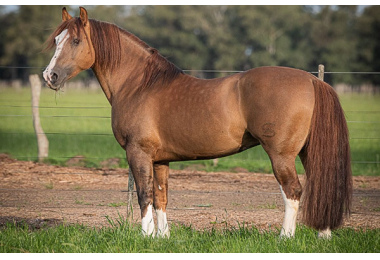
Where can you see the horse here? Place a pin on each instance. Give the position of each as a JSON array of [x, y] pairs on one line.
[[161, 114]]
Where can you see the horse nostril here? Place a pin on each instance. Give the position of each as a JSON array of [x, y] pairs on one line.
[[54, 77]]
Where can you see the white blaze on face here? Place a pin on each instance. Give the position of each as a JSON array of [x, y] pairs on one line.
[[291, 209], [59, 41]]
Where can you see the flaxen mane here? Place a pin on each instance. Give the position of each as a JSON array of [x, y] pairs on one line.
[[105, 38]]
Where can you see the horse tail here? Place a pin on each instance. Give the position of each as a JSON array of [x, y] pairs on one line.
[[327, 162]]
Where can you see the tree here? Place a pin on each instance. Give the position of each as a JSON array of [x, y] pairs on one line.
[[173, 31], [111, 13], [368, 49], [216, 37], [272, 35], [23, 36], [334, 41]]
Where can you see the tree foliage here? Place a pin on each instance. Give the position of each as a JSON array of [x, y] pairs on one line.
[[217, 37]]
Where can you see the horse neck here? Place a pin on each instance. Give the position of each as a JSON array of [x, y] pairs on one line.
[[128, 74]]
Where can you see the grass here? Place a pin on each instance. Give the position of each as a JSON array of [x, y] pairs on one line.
[[87, 132], [122, 237], [92, 137]]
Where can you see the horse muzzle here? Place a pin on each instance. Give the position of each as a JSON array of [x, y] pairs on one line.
[[53, 79]]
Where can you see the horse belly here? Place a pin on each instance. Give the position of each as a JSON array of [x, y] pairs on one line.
[[199, 141], [199, 132]]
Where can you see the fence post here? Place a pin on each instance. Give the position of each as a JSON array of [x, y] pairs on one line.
[[42, 141], [321, 72], [131, 182], [215, 162]]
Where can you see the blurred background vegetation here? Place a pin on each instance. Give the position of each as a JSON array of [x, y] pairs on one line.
[[203, 40], [343, 38]]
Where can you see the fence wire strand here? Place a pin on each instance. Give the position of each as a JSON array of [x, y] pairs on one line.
[[217, 71], [109, 107]]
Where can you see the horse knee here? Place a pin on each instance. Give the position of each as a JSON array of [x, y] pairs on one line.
[[160, 200], [144, 201]]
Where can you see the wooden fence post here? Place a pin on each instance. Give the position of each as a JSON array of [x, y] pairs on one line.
[[42, 141], [131, 182], [321, 72]]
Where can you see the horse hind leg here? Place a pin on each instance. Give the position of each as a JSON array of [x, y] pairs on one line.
[[291, 190], [160, 196]]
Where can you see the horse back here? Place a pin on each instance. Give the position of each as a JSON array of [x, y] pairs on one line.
[[194, 118]]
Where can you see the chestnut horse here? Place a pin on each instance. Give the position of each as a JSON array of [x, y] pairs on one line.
[[161, 115]]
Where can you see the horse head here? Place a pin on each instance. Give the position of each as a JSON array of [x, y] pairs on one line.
[[74, 50]]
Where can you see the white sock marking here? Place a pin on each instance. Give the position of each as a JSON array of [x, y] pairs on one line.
[[162, 224], [291, 209], [147, 222]]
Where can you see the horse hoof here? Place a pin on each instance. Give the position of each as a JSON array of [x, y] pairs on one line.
[[324, 234], [163, 235]]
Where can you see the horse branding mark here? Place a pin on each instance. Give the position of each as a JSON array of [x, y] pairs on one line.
[[268, 130]]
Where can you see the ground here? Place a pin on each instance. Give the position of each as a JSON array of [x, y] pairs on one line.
[[42, 194]]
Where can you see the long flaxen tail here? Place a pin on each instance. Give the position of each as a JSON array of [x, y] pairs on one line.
[[327, 162]]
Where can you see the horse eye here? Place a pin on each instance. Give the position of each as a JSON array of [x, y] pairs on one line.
[[76, 41]]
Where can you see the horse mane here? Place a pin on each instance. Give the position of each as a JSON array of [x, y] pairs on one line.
[[106, 41], [158, 69]]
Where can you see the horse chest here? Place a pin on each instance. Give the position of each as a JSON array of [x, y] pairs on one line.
[[130, 126]]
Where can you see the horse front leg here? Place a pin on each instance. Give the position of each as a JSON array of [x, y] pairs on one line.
[[160, 193], [142, 170]]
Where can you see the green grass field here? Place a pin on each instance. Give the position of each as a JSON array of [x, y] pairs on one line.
[[77, 122], [121, 237]]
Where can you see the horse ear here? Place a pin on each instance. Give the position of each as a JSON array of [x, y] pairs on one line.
[[65, 15], [83, 16]]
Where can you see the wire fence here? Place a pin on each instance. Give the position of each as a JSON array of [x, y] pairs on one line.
[[78, 117], [218, 71], [375, 127], [3, 106]]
